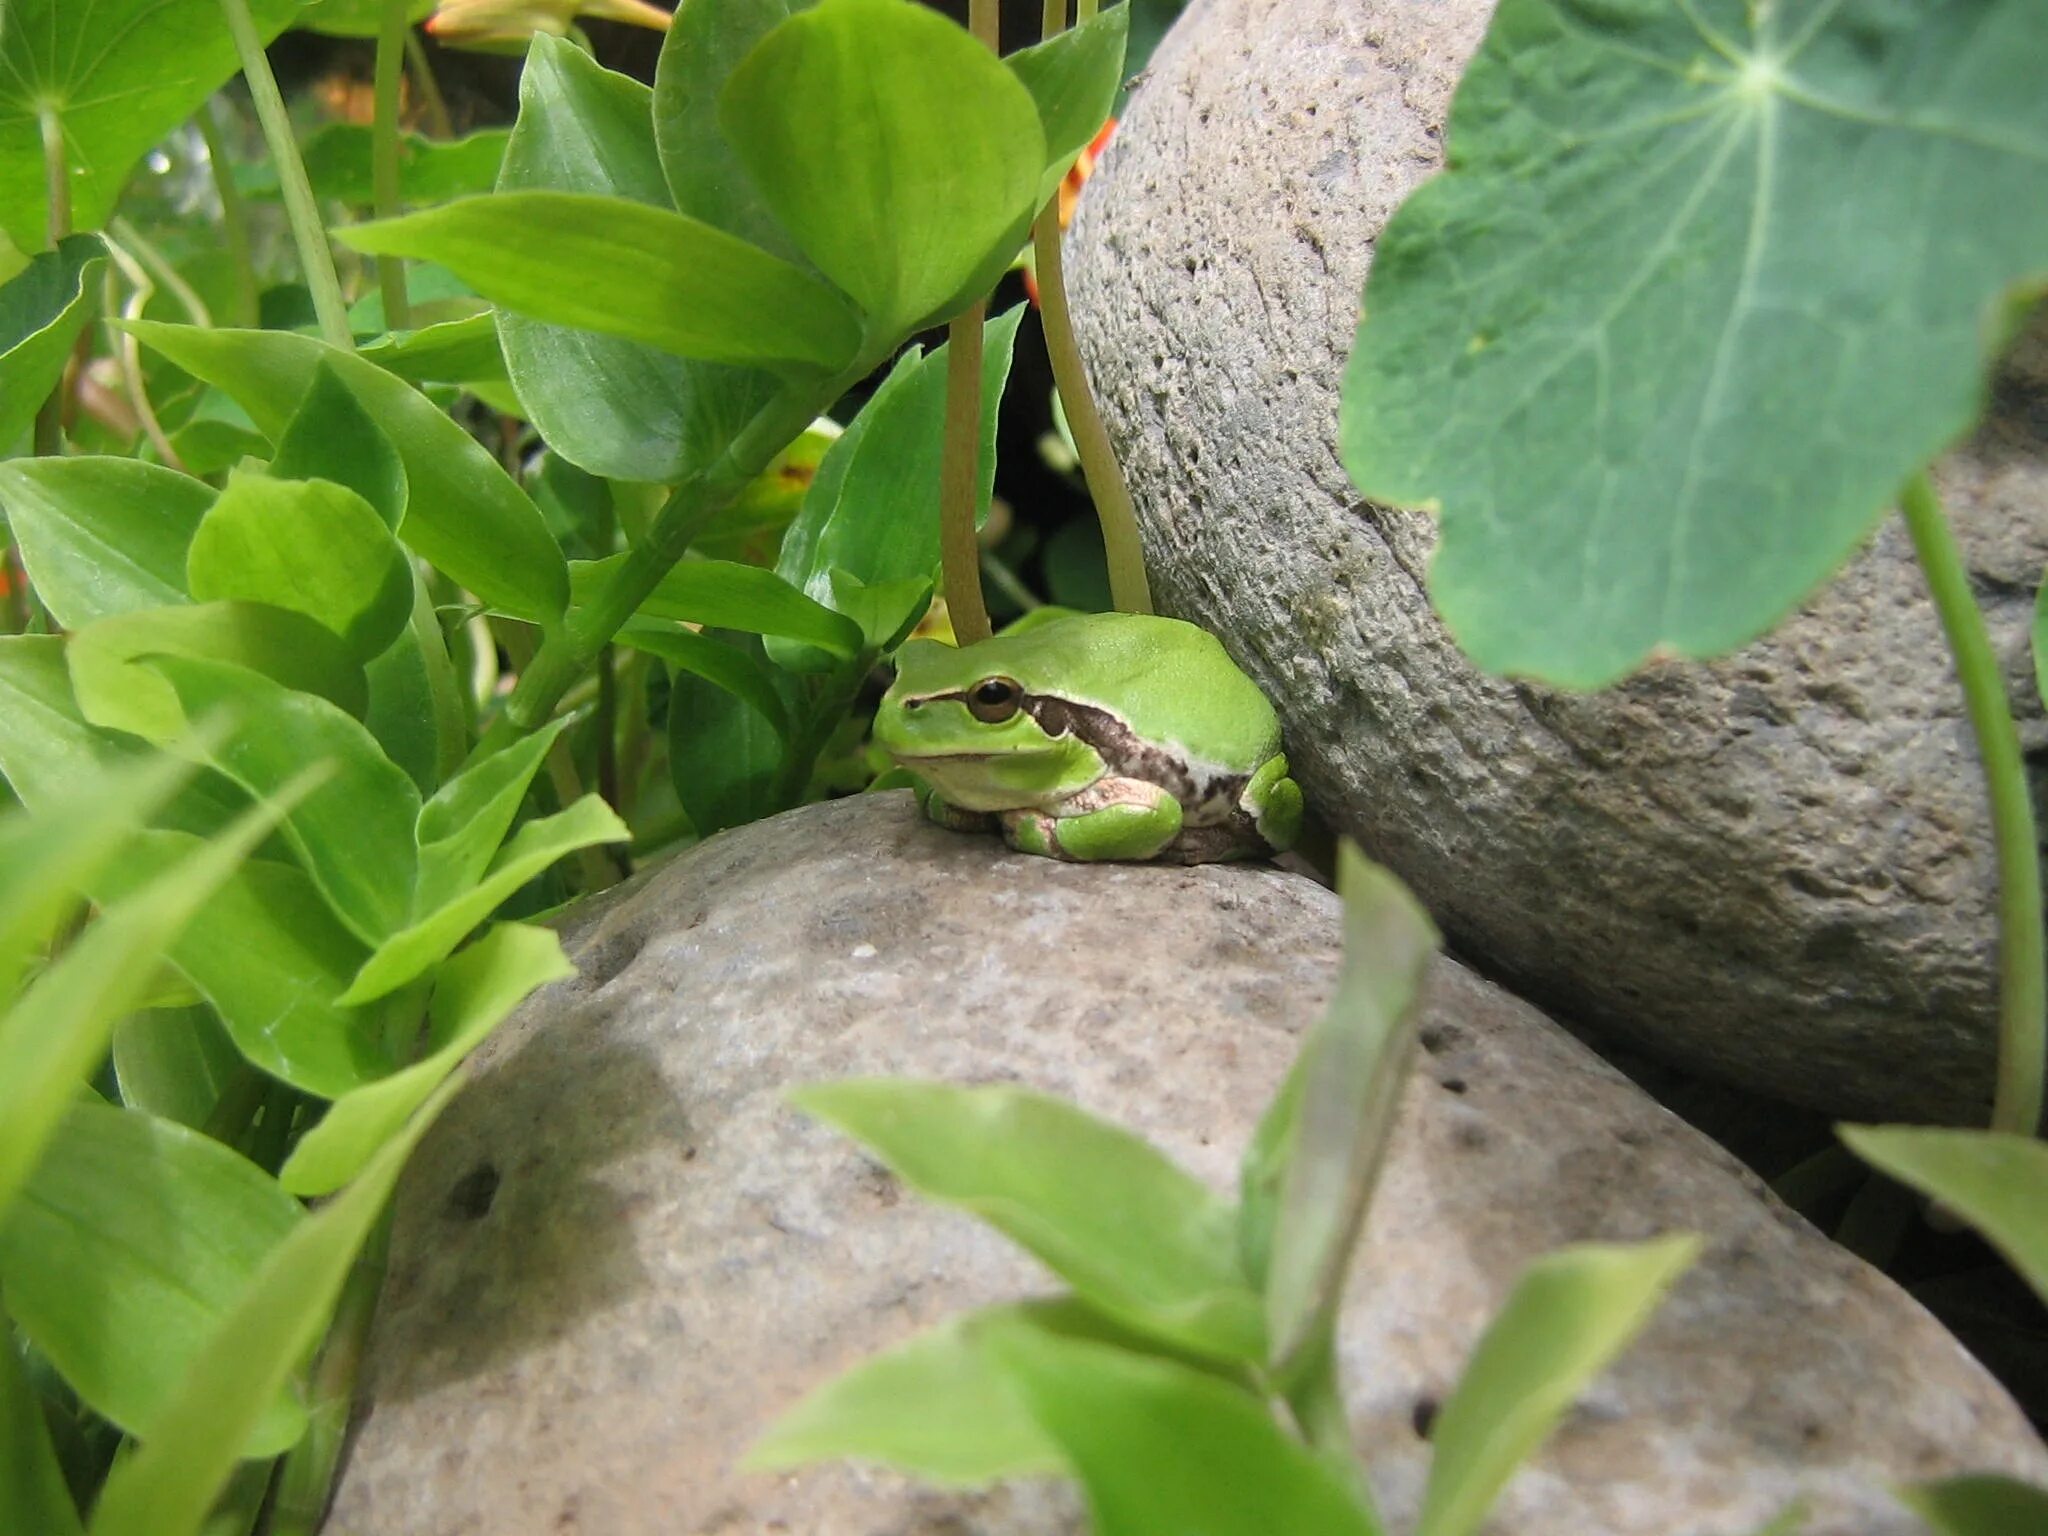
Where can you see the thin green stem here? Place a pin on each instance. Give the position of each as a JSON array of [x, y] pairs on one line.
[[439, 124], [2022, 945], [1129, 588], [1315, 1398], [161, 271], [49, 426], [308, 234], [234, 216], [390, 72], [960, 478], [1084, 10], [1008, 582]]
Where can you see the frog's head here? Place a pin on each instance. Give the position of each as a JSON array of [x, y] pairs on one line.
[[962, 719]]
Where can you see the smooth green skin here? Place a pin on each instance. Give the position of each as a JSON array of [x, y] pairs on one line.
[[1170, 682]]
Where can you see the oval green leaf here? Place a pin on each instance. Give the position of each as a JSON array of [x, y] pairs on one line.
[[897, 151], [1669, 336], [102, 536], [43, 307], [621, 268], [1073, 78]]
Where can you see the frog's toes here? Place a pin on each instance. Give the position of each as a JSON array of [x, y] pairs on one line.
[[1032, 832], [948, 815], [1273, 801]]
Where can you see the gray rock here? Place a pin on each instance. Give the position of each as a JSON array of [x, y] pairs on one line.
[[621, 1255], [1775, 869]]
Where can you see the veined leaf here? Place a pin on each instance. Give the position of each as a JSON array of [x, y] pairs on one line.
[[43, 307], [102, 536]]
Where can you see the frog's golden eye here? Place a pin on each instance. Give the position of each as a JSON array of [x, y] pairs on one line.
[[994, 700]]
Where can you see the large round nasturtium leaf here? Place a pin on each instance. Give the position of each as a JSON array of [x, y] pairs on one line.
[[111, 77], [1705, 282], [897, 151]]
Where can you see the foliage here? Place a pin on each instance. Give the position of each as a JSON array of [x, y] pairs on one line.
[[1155, 1382]]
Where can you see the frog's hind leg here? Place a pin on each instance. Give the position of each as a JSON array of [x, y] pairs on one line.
[[1273, 802], [1112, 819]]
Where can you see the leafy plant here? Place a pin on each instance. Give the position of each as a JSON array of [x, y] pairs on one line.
[[1659, 347], [1155, 1381]]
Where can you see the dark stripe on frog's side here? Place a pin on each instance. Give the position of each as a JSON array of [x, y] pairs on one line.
[[1205, 800]]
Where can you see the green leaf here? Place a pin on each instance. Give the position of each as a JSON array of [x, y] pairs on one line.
[[331, 437], [872, 512], [1991, 1179], [1978, 1504], [338, 156], [1073, 78], [416, 710], [739, 672], [722, 594], [102, 536], [272, 959], [32, 1486], [1353, 1069], [621, 268], [1570, 1314], [353, 833], [353, 18], [113, 661], [1136, 1236], [1159, 1447], [939, 1407], [113, 79], [129, 1243], [164, 1489], [1657, 344], [462, 351], [312, 546], [610, 403], [173, 1063], [43, 307], [57, 1031], [460, 829], [473, 994], [726, 752], [895, 149], [463, 513], [433, 936], [706, 180]]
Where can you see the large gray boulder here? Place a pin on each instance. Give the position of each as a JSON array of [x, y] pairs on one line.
[[620, 1254], [1774, 869]]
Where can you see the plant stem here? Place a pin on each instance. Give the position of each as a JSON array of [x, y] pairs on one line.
[[308, 234], [567, 651], [1129, 587], [1316, 1400], [439, 124], [49, 427], [305, 1482], [391, 35], [161, 271], [234, 217], [960, 478], [2022, 946]]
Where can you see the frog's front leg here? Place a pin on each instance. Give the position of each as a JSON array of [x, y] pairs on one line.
[[1111, 819], [1273, 801], [948, 815]]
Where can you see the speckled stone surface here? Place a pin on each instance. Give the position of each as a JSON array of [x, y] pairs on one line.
[[620, 1254], [1774, 869]]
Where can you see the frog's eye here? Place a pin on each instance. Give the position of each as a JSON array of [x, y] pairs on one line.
[[994, 700]]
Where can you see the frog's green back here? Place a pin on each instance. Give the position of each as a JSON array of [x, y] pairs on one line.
[[1171, 680]]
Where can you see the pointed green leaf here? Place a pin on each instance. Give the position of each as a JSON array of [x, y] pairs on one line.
[[120, 688], [32, 1486], [463, 513], [473, 994], [173, 1062], [1159, 1447], [896, 150], [113, 78], [43, 307], [331, 437], [338, 164], [1655, 344], [1570, 1314], [705, 178], [432, 937], [102, 536], [353, 832], [723, 594], [1354, 1067], [1136, 1236], [668, 281], [726, 754], [1978, 1504], [737, 671], [272, 959], [460, 829], [312, 546], [1073, 78], [167, 1486], [463, 351], [612, 404], [57, 1031], [1993, 1180], [127, 1246]]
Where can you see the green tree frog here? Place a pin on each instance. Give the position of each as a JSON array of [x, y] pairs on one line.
[[1096, 736]]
